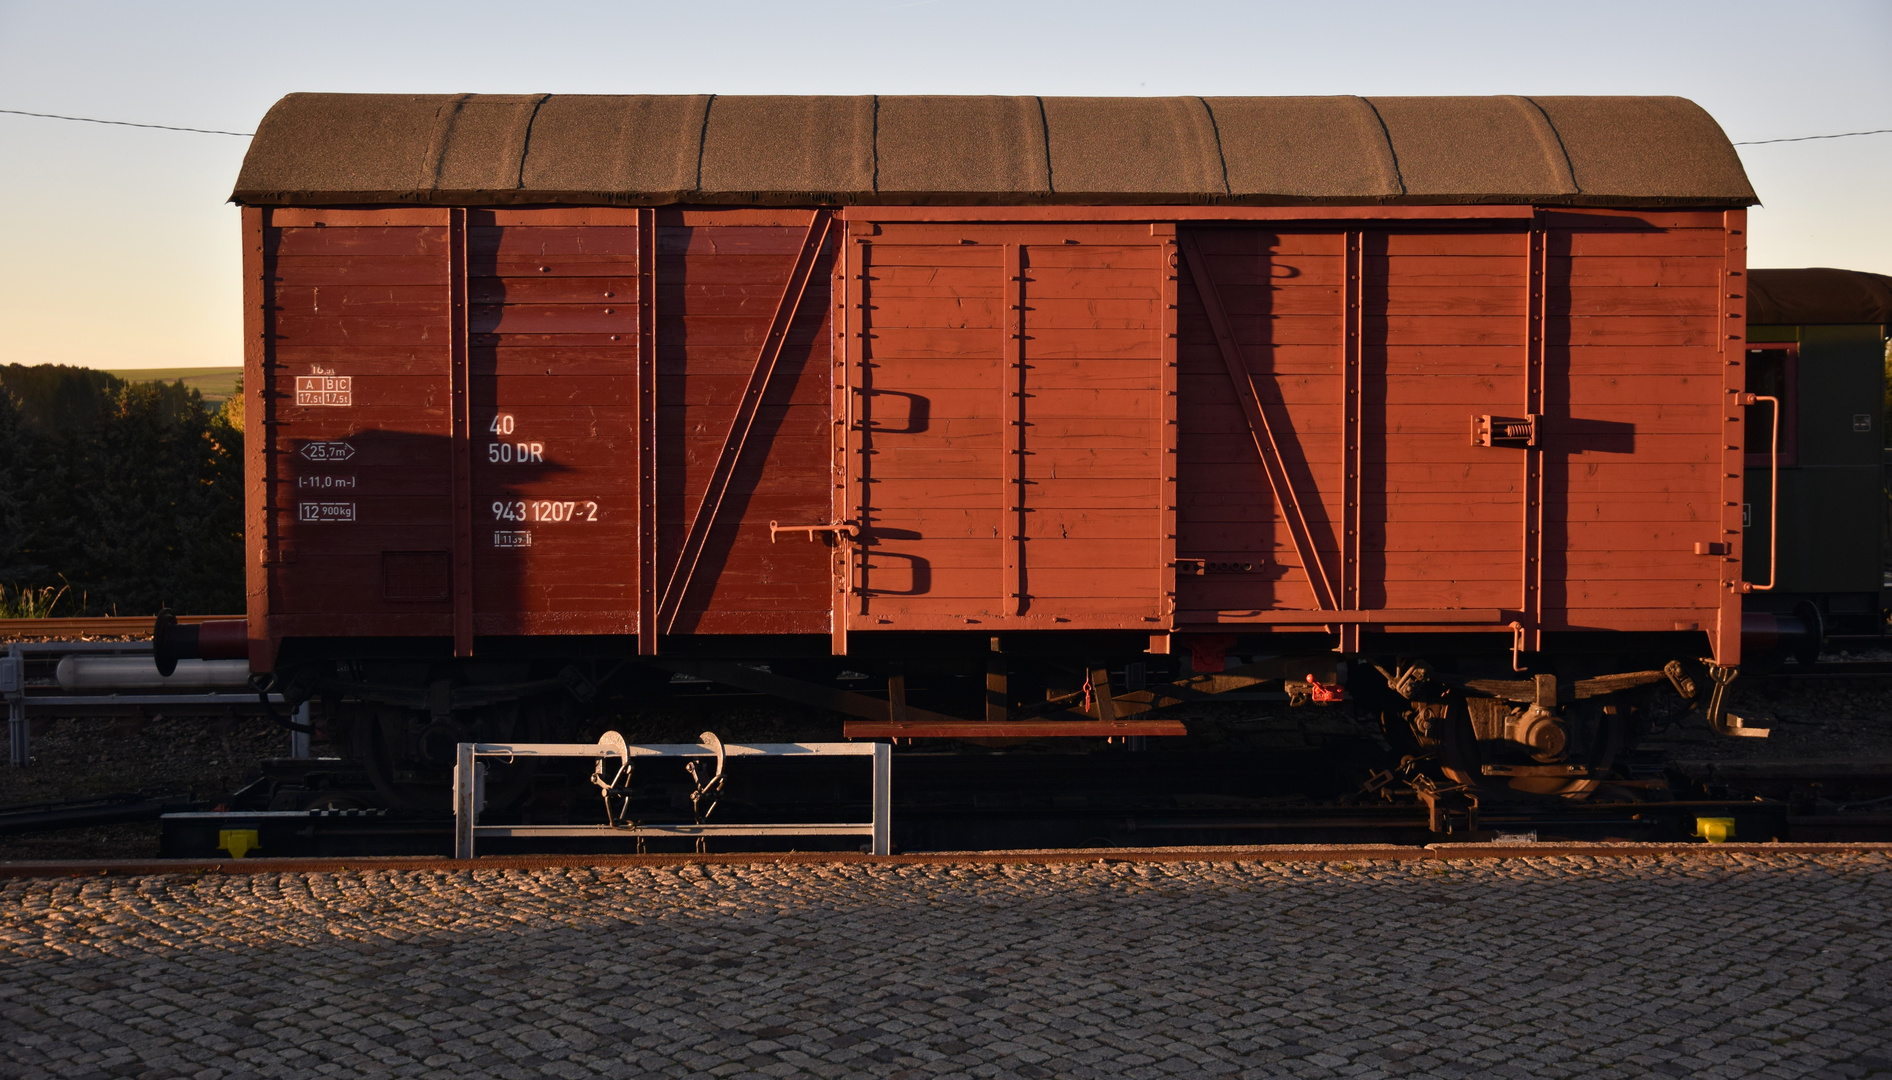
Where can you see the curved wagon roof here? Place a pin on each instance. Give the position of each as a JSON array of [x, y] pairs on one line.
[[1818, 295], [485, 150]]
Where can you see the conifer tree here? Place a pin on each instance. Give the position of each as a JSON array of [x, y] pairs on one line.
[[130, 493]]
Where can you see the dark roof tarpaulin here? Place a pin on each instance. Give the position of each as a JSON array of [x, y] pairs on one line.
[[1818, 295], [486, 150]]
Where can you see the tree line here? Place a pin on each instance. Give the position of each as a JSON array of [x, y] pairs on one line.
[[116, 497]]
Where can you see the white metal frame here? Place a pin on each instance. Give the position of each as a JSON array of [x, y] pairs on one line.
[[18, 701], [469, 789]]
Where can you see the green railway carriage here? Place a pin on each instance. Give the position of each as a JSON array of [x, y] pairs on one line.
[[1817, 341]]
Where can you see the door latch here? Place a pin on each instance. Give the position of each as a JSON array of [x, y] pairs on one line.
[[837, 531], [1518, 431]]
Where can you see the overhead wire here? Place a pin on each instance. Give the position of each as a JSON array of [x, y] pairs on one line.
[[126, 123], [251, 134], [1810, 138]]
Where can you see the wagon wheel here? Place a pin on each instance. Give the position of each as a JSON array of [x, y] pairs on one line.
[[1605, 737], [383, 745], [378, 734]]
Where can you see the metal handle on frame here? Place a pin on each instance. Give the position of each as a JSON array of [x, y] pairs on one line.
[[842, 531], [469, 790]]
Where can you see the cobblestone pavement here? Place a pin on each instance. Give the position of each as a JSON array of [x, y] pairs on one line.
[[1715, 965]]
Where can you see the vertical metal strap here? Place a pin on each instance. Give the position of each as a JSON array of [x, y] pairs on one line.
[[258, 411], [747, 407], [1012, 426], [1733, 342], [1352, 384], [897, 692], [1169, 349], [1103, 706], [460, 439], [19, 732], [998, 687], [1531, 606], [883, 799], [647, 432], [860, 375], [850, 347], [465, 805], [299, 738]]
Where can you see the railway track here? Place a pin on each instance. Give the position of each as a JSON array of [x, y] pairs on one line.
[[1009, 802], [86, 629], [1830, 669], [1041, 801], [1278, 853]]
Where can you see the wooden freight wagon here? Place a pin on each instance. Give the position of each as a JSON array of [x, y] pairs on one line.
[[884, 377]]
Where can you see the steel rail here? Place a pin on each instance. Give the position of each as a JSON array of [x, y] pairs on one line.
[[106, 626], [1282, 853]]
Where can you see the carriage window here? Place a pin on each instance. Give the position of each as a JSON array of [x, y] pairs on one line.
[[1771, 370]]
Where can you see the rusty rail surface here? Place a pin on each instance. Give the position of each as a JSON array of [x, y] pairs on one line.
[[1276, 853], [106, 626]]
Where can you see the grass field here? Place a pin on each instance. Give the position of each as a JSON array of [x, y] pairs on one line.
[[215, 383]]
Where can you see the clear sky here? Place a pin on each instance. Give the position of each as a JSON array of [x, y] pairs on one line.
[[117, 248]]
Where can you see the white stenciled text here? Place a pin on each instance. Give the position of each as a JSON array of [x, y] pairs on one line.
[[505, 453], [325, 390], [548, 510], [325, 511], [509, 452]]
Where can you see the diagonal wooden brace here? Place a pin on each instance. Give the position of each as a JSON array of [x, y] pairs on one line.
[[1258, 426], [747, 409]]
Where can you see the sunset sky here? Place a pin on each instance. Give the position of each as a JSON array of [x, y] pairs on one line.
[[119, 250]]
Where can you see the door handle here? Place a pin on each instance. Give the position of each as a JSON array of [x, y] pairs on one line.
[[840, 531]]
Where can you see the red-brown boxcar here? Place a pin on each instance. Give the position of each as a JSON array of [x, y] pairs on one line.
[[884, 377]]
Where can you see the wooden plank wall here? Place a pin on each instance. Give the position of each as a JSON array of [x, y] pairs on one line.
[[552, 321], [1282, 293], [1015, 443], [552, 351], [1012, 430], [1636, 470], [1632, 377], [1444, 338], [720, 276], [362, 467]]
